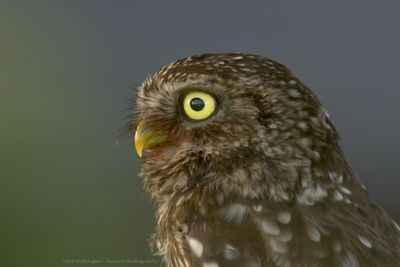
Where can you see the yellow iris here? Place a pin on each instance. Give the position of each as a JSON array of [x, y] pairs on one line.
[[198, 105]]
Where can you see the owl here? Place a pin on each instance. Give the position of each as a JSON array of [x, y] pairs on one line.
[[245, 169]]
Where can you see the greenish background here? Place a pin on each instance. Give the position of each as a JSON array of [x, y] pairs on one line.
[[69, 185], [68, 177]]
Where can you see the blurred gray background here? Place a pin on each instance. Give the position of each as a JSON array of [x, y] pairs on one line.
[[69, 187]]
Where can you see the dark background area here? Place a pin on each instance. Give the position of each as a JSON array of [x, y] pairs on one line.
[[68, 180]]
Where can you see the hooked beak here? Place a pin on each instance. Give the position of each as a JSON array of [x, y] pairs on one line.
[[146, 137]]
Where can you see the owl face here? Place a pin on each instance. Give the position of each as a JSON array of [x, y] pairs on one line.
[[200, 118], [194, 118]]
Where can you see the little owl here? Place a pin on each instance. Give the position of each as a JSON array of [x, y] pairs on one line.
[[245, 169]]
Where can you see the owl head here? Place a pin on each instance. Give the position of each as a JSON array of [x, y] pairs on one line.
[[231, 122]]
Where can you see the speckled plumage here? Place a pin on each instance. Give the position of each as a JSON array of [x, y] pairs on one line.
[[263, 182]]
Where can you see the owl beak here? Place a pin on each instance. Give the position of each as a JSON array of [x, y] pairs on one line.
[[146, 138]]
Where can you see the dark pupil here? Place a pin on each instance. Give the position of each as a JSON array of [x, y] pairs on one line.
[[197, 104]]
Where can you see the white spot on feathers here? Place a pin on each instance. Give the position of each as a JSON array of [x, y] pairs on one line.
[[286, 236], [345, 190], [196, 246], [234, 213], [230, 252], [396, 226], [337, 196], [210, 264], [278, 246], [350, 260], [284, 217], [311, 195], [238, 57], [257, 208], [365, 241], [314, 234], [270, 227], [294, 93]]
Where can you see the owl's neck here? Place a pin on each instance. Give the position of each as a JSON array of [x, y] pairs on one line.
[[256, 176], [249, 191]]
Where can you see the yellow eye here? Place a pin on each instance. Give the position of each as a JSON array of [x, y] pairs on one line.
[[198, 105]]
